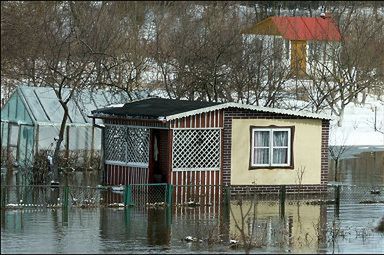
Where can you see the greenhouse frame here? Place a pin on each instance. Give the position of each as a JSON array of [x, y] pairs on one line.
[[31, 119]]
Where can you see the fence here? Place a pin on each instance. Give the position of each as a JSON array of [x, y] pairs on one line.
[[47, 196], [162, 195]]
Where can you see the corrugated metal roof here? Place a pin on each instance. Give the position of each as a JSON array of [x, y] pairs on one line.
[[298, 28], [252, 108], [171, 109]]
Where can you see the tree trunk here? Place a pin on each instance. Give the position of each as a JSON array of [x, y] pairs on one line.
[[55, 161], [336, 169], [341, 116]]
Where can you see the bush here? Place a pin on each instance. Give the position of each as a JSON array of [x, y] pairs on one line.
[[73, 161], [380, 227]]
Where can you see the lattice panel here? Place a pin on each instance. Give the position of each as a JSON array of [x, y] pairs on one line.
[[138, 145], [196, 149], [115, 143], [126, 144]]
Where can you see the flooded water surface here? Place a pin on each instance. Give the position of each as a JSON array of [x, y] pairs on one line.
[[305, 226]]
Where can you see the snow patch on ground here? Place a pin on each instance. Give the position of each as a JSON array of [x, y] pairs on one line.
[[358, 126]]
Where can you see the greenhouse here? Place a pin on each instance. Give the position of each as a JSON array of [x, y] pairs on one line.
[[31, 119]]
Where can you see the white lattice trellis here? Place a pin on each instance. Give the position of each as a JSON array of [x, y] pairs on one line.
[[197, 149], [138, 145], [126, 145], [115, 143]]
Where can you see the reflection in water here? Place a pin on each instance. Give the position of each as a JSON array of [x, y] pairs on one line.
[[112, 230], [304, 229], [366, 168], [159, 228], [301, 230]]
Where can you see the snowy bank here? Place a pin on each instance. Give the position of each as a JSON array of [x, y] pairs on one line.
[[358, 127]]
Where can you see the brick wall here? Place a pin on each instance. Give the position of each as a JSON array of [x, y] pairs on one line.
[[234, 113]]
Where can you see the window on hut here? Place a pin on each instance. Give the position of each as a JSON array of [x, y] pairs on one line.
[[271, 147]]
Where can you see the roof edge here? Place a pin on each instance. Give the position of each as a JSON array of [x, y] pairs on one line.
[[249, 107]]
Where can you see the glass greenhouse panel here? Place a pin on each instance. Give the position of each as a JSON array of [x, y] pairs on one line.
[[46, 137], [26, 145], [9, 110], [53, 109], [35, 105], [80, 138], [4, 134], [13, 134], [75, 114]]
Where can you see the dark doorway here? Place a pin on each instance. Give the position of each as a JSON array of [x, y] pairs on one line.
[[159, 156]]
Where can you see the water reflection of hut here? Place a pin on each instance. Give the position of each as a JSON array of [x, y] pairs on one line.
[[204, 143], [302, 230], [130, 225]]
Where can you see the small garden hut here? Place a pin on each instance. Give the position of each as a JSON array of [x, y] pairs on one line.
[[31, 118], [205, 143]]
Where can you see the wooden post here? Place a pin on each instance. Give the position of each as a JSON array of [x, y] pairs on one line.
[[282, 200], [64, 214], [337, 200], [127, 216], [93, 139], [3, 196], [227, 195], [169, 194], [65, 197], [127, 195], [37, 136], [67, 145]]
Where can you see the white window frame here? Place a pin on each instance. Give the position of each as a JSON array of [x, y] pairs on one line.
[[271, 147]]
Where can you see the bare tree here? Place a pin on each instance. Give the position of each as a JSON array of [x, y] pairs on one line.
[[341, 71], [65, 47], [122, 69]]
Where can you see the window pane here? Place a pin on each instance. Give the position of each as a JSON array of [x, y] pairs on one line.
[[261, 156], [280, 156], [280, 138], [261, 139], [14, 135]]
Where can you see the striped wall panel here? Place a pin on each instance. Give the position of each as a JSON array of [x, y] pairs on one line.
[[116, 175], [202, 120], [202, 187], [198, 186]]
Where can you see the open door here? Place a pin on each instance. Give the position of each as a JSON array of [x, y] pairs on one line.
[[158, 163]]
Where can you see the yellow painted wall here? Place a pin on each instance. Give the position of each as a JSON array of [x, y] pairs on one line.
[[299, 57], [306, 153]]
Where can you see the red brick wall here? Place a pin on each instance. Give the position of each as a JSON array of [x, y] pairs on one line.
[[234, 113]]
